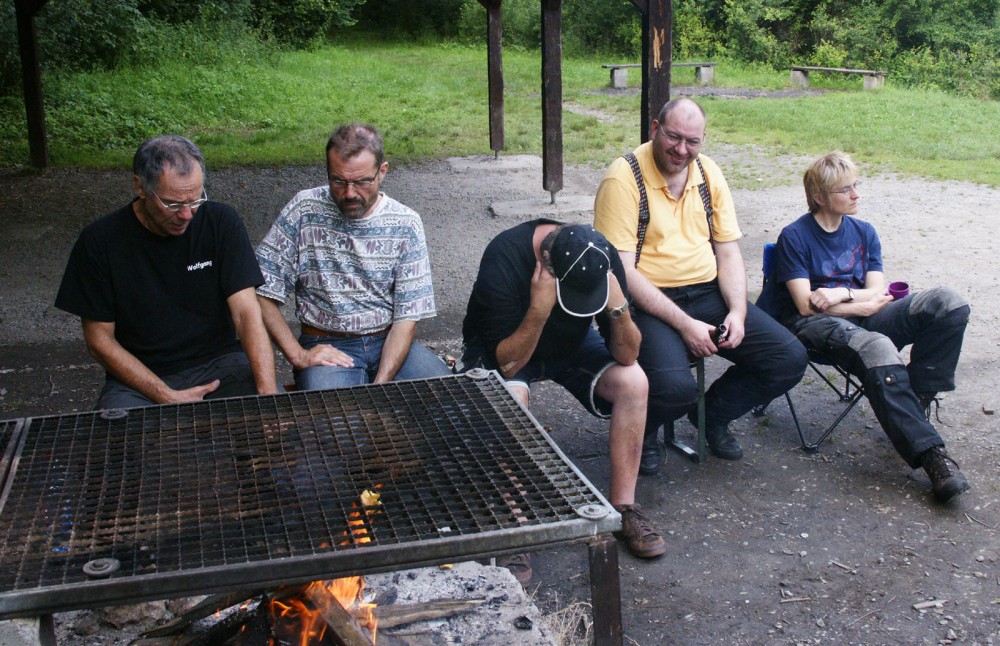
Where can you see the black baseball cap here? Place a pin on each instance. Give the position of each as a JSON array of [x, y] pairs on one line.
[[581, 259]]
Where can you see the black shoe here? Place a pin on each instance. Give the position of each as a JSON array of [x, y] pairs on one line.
[[946, 480], [721, 442], [928, 401], [652, 454]]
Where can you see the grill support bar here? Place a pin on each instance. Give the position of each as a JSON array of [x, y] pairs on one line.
[[605, 590]]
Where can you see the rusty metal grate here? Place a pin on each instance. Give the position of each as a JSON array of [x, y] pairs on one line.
[[226, 494]]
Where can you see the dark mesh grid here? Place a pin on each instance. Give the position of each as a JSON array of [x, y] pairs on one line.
[[172, 489]]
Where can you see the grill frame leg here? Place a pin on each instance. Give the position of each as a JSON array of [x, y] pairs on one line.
[[605, 590]]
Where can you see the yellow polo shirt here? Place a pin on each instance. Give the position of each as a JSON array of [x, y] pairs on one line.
[[676, 251]]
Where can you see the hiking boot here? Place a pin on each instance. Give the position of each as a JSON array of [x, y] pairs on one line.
[[927, 401], [519, 565], [652, 451], [720, 441], [637, 532], [946, 480]]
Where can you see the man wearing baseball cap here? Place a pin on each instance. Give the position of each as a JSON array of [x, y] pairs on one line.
[[539, 288]]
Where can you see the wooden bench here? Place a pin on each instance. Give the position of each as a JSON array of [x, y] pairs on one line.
[[703, 72], [874, 79]]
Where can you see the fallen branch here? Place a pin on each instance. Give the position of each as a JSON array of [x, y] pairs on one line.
[[976, 520], [867, 614], [796, 599], [400, 614], [933, 603]]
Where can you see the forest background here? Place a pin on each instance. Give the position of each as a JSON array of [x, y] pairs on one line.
[[117, 71]]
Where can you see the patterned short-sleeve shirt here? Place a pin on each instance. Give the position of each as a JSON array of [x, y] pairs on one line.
[[347, 275]]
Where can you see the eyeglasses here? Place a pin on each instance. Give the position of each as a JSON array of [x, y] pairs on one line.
[[847, 190], [673, 138], [341, 183], [175, 207]]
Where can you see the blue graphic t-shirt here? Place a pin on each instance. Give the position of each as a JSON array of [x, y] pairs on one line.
[[828, 259]]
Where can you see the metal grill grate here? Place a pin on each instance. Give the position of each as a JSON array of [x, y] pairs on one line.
[[216, 495]]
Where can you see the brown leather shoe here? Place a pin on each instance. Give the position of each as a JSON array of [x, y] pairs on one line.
[[638, 533], [519, 565]]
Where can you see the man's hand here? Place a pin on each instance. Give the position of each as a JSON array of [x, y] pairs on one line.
[[698, 337], [543, 290], [321, 355], [826, 297], [735, 331], [873, 305], [194, 394]]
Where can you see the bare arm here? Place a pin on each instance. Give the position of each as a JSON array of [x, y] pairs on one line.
[[733, 285], [833, 300], [625, 336], [394, 350], [126, 367], [299, 357], [650, 299], [515, 351], [245, 310]]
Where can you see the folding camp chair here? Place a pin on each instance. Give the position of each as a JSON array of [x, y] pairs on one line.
[[851, 393], [696, 454]]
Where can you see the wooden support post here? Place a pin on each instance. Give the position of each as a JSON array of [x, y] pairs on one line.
[[34, 106], [494, 49], [605, 590], [552, 151], [657, 42]]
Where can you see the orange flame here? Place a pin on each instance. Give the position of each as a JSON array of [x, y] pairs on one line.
[[305, 620]]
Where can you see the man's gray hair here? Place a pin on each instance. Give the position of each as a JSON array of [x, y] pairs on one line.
[[155, 154], [350, 139]]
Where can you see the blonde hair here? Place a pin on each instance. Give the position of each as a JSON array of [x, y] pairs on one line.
[[833, 169]]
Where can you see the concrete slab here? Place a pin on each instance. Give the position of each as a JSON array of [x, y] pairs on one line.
[[568, 208], [489, 163], [24, 632], [507, 614]]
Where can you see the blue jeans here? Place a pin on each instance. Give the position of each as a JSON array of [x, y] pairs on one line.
[[768, 362], [232, 370], [420, 363], [934, 322]]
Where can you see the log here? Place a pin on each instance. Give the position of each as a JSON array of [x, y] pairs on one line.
[[401, 614], [340, 621]]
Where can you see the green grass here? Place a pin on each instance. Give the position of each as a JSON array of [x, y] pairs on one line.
[[431, 101]]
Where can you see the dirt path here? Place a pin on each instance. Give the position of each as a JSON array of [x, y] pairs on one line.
[[777, 548]]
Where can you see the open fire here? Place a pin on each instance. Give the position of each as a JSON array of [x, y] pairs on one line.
[[305, 618]]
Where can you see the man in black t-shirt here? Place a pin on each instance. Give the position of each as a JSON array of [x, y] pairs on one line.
[[539, 287], [165, 289]]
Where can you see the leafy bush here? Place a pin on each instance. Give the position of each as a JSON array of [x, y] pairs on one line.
[[74, 35], [421, 19], [303, 23], [522, 26]]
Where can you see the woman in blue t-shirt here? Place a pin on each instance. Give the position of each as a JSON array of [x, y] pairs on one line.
[[834, 299]]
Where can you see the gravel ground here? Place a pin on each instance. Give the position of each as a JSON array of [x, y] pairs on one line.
[[780, 547]]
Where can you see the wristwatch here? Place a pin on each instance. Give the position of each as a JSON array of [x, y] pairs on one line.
[[618, 312], [850, 295]]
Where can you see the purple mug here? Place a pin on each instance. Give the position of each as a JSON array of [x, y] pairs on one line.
[[899, 289]]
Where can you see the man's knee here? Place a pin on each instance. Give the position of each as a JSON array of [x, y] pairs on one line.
[[623, 383], [942, 305], [786, 364], [939, 302], [873, 349], [672, 388]]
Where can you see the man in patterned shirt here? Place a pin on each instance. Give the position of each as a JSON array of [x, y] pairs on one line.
[[357, 262]]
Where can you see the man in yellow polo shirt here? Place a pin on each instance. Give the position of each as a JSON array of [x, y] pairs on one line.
[[668, 211]]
